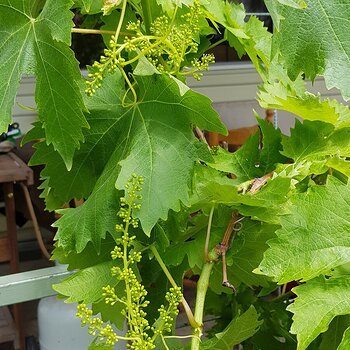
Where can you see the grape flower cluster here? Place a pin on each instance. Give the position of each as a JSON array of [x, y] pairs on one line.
[[140, 335], [166, 46]]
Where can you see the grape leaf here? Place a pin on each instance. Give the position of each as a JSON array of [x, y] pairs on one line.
[[112, 313], [333, 337], [274, 9], [298, 4], [210, 186], [239, 329], [171, 344], [86, 285], [230, 15], [99, 346], [249, 37], [89, 6], [39, 43], [274, 332], [318, 302], [244, 163], [111, 23], [87, 258], [305, 105], [313, 238], [345, 343], [148, 138], [320, 44], [340, 164], [316, 140], [247, 252], [194, 249], [280, 92], [243, 256], [249, 161], [170, 5]]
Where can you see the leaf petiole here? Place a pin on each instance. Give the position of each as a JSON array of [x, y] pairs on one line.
[[120, 23], [207, 239], [185, 305]]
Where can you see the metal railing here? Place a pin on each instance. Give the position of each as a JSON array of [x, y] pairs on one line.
[[31, 285]]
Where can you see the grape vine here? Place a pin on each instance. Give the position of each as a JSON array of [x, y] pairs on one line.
[[261, 233]]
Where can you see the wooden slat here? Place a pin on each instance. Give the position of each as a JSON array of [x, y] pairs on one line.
[[7, 327], [13, 169], [5, 252]]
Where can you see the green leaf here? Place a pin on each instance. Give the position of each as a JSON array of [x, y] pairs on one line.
[[318, 302], [340, 164], [306, 105], [333, 337], [244, 163], [112, 313], [89, 6], [298, 4], [86, 285], [247, 252], [274, 9], [345, 343], [193, 249], [210, 186], [40, 45], [249, 161], [170, 5], [99, 346], [243, 256], [88, 257], [316, 140], [239, 329], [172, 344], [320, 44], [249, 37], [111, 23], [152, 138], [313, 238], [280, 92]]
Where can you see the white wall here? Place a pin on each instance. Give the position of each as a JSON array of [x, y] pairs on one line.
[[232, 88]]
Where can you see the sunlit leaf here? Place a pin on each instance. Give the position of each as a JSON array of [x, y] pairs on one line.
[[34, 42], [318, 302], [152, 138], [314, 236]]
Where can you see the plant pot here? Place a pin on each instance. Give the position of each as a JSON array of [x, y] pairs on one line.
[[60, 329]]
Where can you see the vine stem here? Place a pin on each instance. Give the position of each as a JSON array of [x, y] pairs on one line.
[[216, 44], [202, 287], [147, 14], [207, 239], [126, 266], [120, 23], [93, 31], [201, 136], [187, 308], [131, 89]]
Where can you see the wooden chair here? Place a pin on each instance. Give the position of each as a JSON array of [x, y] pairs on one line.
[[238, 137], [12, 170]]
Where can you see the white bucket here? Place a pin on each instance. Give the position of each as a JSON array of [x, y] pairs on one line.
[[60, 329]]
